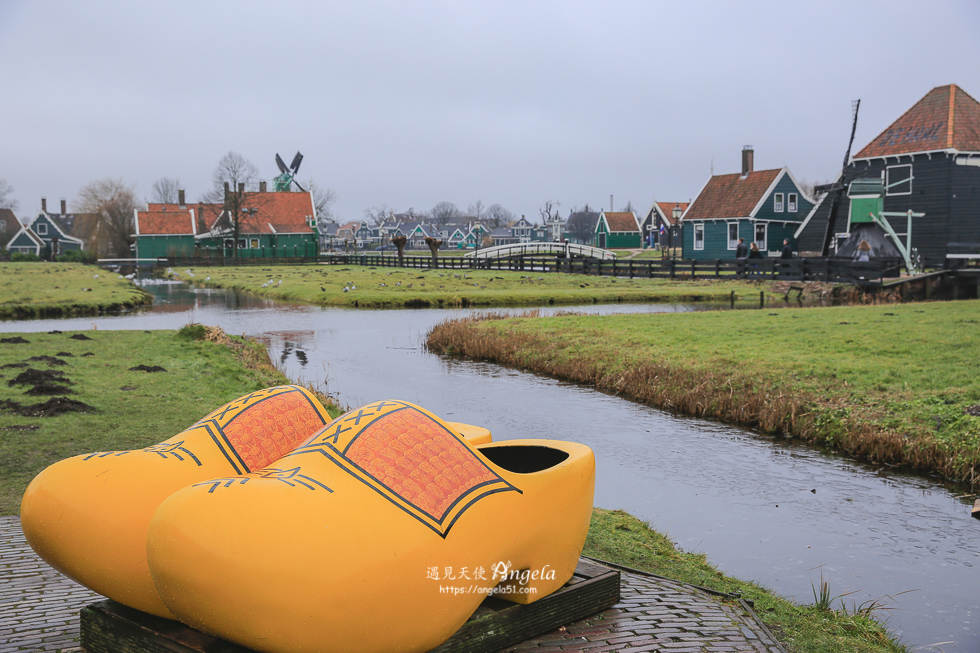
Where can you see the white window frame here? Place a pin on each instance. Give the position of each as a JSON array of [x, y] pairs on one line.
[[699, 236], [732, 242], [889, 181], [777, 201], [761, 244], [792, 202], [42, 229]]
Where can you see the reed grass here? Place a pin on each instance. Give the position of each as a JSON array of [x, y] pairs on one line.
[[888, 384]]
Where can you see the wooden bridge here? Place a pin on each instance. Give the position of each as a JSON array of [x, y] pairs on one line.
[[565, 250]]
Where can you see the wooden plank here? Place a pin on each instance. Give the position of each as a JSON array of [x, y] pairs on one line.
[[108, 627]]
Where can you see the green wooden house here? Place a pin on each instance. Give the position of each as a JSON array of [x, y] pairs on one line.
[[760, 206], [618, 230], [271, 225], [165, 230], [47, 236]]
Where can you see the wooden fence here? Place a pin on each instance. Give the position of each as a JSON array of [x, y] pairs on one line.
[[796, 269]]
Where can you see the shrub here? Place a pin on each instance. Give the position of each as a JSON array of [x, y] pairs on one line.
[[76, 256], [20, 257]]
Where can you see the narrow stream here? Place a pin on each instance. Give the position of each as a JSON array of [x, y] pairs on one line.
[[760, 508]]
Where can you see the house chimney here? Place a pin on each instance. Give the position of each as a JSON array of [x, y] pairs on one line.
[[44, 204], [63, 207], [180, 197], [241, 187], [748, 156], [261, 186]]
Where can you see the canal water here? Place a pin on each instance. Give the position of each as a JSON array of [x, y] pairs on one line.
[[760, 508]]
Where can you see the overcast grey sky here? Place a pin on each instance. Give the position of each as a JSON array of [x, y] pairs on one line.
[[412, 103]]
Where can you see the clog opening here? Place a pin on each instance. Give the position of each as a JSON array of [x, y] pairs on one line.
[[524, 459]]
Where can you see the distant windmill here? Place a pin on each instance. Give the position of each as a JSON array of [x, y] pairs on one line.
[[285, 180]]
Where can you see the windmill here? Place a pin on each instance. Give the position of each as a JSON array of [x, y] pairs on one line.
[[285, 180], [839, 187], [865, 219]]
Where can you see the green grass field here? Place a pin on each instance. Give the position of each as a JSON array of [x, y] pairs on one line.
[[131, 408], [378, 287], [42, 289], [895, 384], [135, 408]]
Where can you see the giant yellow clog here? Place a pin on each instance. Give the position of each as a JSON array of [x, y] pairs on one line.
[[87, 516], [383, 533]]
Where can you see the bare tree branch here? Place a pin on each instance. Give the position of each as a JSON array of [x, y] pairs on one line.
[[114, 202], [165, 190], [323, 199], [6, 201], [444, 212], [376, 215], [498, 216]]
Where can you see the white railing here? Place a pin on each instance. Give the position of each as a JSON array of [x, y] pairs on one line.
[[538, 249]]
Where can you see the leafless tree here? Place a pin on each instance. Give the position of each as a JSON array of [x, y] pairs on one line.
[[323, 199], [6, 201], [581, 225], [497, 216], [477, 210], [628, 208], [376, 215], [165, 190], [548, 210], [444, 212], [114, 203], [231, 180]]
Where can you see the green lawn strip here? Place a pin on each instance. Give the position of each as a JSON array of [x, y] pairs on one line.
[[894, 384], [42, 289], [132, 408], [621, 538], [408, 287]]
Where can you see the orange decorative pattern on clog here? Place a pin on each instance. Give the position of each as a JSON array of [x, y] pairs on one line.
[[409, 457], [243, 428], [399, 450]]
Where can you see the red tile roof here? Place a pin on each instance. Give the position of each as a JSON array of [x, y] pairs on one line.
[[159, 222], [731, 196], [621, 221], [947, 117], [285, 212], [667, 208]]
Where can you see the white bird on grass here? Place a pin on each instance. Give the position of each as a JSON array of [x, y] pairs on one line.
[[189, 273]]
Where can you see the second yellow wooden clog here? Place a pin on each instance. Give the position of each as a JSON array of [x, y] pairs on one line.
[[382, 533]]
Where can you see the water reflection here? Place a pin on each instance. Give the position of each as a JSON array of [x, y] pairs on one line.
[[761, 508]]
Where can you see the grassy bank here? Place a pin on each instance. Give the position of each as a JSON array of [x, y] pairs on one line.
[[127, 408], [42, 289], [894, 384], [621, 538], [371, 287]]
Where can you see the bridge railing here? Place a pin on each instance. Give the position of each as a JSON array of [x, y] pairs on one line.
[[538, 249]]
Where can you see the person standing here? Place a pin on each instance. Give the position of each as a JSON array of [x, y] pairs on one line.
[[787, 249], [741, 251]]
